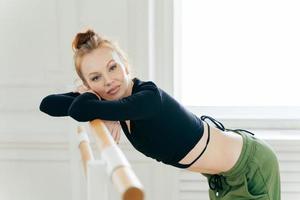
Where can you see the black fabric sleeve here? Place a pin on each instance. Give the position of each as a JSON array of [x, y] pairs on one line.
[[140, 105], [57, 105]]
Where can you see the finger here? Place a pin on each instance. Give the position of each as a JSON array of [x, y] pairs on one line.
[[107, 124], [113, 134], [116, 132], [119, 131], [118, 136], [81, 89]]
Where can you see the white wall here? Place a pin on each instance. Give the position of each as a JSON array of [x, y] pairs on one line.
[[38, 154]]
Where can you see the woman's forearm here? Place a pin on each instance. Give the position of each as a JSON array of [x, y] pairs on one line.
[[57, 105]]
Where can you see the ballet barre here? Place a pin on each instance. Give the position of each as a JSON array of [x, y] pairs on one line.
[[113, 166]]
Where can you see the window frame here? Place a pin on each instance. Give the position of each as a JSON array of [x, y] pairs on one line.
[[168, 58]]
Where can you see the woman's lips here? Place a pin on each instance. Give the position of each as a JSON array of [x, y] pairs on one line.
[[114, 91]]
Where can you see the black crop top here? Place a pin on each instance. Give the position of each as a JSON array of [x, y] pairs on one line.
[[160, 127]]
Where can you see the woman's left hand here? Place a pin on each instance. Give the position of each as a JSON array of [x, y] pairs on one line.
[[114, 128], [83, 89]]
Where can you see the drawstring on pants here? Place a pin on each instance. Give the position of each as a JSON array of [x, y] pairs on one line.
[[215, 181]]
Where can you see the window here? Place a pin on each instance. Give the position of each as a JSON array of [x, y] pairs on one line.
[[240, 54]]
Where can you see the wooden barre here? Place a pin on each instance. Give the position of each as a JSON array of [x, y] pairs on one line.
[[85, 149], [123, 177]]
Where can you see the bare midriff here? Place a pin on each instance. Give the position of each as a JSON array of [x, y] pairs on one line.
[[221, 154]]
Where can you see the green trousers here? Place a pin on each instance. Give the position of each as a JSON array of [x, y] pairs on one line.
[[254, 176]]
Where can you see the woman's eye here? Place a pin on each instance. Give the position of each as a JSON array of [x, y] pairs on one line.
[[95, 78], [113, 67]]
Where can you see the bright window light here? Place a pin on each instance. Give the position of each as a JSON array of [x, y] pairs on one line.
[[240, 53]]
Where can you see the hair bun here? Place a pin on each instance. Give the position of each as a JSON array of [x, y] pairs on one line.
[[82, 38]]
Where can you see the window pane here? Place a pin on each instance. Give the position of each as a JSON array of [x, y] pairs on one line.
[[240, 53]]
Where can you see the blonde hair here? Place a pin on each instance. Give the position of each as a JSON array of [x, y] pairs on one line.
[[88, 41]]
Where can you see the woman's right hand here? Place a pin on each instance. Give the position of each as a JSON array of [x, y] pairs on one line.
[[81, 89]]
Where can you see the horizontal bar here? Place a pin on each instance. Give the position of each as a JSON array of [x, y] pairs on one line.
[[120, 170], [85, 148]]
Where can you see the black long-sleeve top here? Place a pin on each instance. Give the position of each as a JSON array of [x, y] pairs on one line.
[[160, 127]]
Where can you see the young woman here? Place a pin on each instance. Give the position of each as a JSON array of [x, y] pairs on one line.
[[237, 164]]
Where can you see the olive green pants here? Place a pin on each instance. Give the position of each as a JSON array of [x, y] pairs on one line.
[[254, 176]]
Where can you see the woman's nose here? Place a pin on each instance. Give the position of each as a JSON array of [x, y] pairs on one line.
[[108, 80]]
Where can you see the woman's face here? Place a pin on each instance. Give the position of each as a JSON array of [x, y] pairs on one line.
[[106, 74]]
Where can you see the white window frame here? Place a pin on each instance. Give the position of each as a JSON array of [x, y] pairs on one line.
[[167, 70]]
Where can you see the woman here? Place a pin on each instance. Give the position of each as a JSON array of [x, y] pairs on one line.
[[234, 161]]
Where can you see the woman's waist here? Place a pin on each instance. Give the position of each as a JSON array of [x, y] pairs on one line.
[[221, 153]]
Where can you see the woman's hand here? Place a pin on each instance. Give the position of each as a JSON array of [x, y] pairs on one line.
[[114, 128], [83, 89]]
